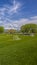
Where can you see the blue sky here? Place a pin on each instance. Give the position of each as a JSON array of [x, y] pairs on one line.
[[14, 13]]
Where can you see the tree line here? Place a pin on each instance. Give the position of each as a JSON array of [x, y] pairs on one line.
[[27, 28]]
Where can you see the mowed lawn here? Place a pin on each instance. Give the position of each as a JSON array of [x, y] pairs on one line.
[[18, 52]]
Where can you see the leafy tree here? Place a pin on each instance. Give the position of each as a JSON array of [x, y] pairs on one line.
[[1, 29], [11, 31], [29, 28]]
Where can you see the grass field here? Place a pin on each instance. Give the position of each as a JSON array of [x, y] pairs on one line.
[[18, 52]]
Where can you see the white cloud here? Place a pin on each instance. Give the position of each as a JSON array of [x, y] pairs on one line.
[[10, 9], [16, 24], [14, 9], [24, 21], [34, 17], [5, 13]]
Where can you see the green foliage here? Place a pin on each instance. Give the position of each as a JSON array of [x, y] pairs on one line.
[[29, 28], [1, 29]]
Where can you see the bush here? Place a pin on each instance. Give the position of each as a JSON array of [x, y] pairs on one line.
[[1, 29]]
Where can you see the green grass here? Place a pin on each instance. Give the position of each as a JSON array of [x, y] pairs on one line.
[[18, 52]]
